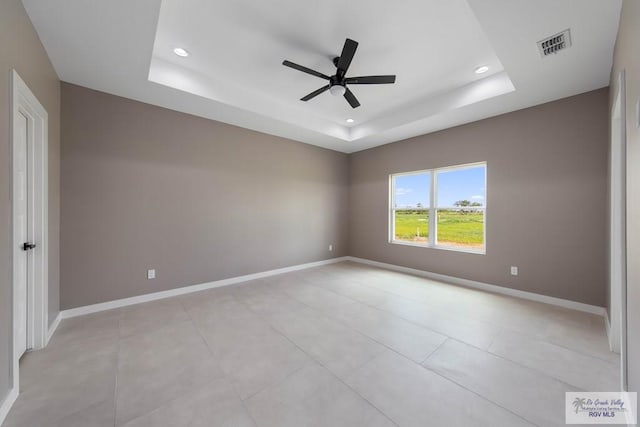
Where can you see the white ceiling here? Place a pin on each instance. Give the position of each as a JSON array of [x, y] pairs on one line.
[[234, 73]]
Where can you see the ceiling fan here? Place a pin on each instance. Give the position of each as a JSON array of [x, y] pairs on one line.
[[338, 82]]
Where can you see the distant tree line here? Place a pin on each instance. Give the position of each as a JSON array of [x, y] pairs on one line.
[[467, 204]]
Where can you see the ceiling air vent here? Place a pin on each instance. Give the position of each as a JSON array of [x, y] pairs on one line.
[[555, 43]]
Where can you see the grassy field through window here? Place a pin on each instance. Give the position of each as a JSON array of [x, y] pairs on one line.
[[455, 228], [412, 226]]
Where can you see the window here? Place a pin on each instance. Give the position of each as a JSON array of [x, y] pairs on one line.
[[411, 206], [440, 208]]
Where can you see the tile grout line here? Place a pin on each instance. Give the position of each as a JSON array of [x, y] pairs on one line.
[[261, 317], [421, 326], [485, 288], [472, 319], [340, 322], [97, 403], [486, 350], [465, 289], [422, 367], [321, 364], [394, 314], [204, 341], [76, 412], [506, 359], [226, 377], [246, 408], [493, 340], [363, 397], [411, 361], [535, 370], [486, 399], [115, 388], [328, 316], [489, 351], [392, 350], [476, 319], [225, 374], [573, 350], [435, 350]]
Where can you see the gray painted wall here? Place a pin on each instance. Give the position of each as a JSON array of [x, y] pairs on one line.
[[20, 48], [198, 200], [546, 198], [626, 58]]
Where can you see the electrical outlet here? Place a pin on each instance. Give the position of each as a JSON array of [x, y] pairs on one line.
[[151, 274], [330, 248], [514, 270]]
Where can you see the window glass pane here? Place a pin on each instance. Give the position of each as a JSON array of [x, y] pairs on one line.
[[466, 186], [411, 207], [461, 229], [412, 225], [461, 203], [412, 190]]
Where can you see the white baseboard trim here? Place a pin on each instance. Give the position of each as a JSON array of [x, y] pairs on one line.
[[574, 305], [7, 403], [94, 308], [53, 327]]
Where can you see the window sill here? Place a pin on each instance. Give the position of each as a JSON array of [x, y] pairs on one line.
[[444, 248]]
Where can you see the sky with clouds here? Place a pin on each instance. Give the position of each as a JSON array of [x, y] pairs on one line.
[[453, 185]]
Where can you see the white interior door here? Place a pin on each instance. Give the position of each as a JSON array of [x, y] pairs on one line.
[[21, 231], [29, 213]]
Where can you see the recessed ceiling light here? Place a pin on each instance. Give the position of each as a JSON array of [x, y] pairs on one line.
[[349, 120], [181, 52], [481, 70]]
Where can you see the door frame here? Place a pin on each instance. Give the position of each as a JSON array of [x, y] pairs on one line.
[[617, 218], [24, 102]]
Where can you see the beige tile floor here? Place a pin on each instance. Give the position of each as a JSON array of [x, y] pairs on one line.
[[340, 345]]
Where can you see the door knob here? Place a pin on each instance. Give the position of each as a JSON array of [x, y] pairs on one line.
[[27, 246]]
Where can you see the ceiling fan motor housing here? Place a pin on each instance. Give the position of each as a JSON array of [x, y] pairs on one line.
[[336, 87]]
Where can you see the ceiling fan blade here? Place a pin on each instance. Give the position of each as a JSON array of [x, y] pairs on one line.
[[304, 69], [370, 80], [348, 50], [315, 93], [351, 99]]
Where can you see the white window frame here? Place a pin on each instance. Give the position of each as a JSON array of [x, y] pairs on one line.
[[432, 241], [393, 209]]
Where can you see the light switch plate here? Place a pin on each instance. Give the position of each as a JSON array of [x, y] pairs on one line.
[[151, 274]]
